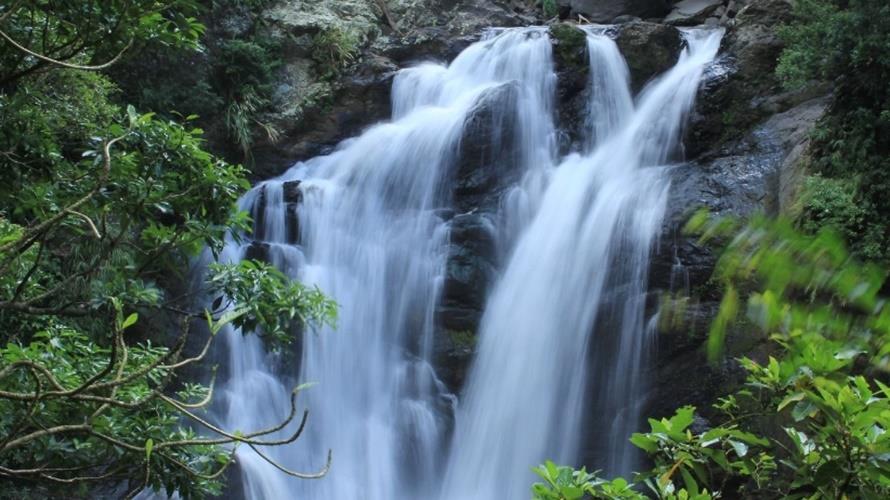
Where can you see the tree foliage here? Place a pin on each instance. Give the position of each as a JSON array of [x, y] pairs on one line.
[[102, 209], [847, 42]]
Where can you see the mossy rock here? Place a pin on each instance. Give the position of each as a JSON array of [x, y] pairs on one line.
[[569, 43], [650, 49]]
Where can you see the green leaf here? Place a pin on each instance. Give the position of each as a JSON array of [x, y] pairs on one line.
[[644, 442], [804, 409], [130, 321], [791, 398]]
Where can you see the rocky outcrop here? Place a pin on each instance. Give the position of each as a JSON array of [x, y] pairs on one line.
[[695, 12], [572, 62], [740, 178], [649, 49], [487, 151], [604, 11], [470, 268], [746, 90], [486, 165], [344, 98]]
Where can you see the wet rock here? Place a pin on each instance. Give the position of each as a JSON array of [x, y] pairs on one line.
[[744, 92], [625, 19], [469, 270], [649, 49], [603, 11], [453, 353], [258, 214], [487, 148], [742, 177], [257, 250], [572, 63], [291, 192], [292, 223], [693, 12]]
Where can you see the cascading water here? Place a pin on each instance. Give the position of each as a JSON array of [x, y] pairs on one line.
[[563, 335], [574, 287], [365, 225]]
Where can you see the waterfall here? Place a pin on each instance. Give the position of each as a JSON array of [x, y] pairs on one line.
[[573, 292], [563, 338], [367, 225]]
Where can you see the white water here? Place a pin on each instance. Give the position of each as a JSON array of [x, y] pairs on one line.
[[371, 236], [584, 254]]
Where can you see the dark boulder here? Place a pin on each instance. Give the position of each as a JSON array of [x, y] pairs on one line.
[[292, 192], [649, 49], [745, 89], [257, 251], [603, 11], [487, 150], [694, 12], [469, 270], [572, 62]]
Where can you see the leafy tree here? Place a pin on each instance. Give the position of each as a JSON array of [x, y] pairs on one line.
[[39, 34], [101, 208]]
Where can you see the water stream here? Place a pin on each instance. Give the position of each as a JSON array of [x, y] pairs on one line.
[[563, 337]]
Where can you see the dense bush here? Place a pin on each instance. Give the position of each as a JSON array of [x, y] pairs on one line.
[[847, 42]]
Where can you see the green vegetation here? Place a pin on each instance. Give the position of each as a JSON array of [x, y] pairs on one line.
[[847, 42], [102, 208], [811, 419], [229, 80], [550, 9], [334, 49]]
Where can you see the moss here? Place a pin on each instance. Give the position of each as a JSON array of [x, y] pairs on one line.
[[462, 339], [570, 42]]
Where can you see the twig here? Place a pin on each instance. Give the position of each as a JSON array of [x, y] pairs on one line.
[[64, 64], [89, 222]]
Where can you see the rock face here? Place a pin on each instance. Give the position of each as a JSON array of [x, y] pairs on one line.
[[693, 12], [486, 166], [571, 59], [487, 149], [649, 49], [604, 11], [747, 90], [744, 144], [739, 178], [317, 106]]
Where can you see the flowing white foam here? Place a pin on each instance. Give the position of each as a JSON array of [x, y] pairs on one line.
[[370, 235], [579, 267]]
